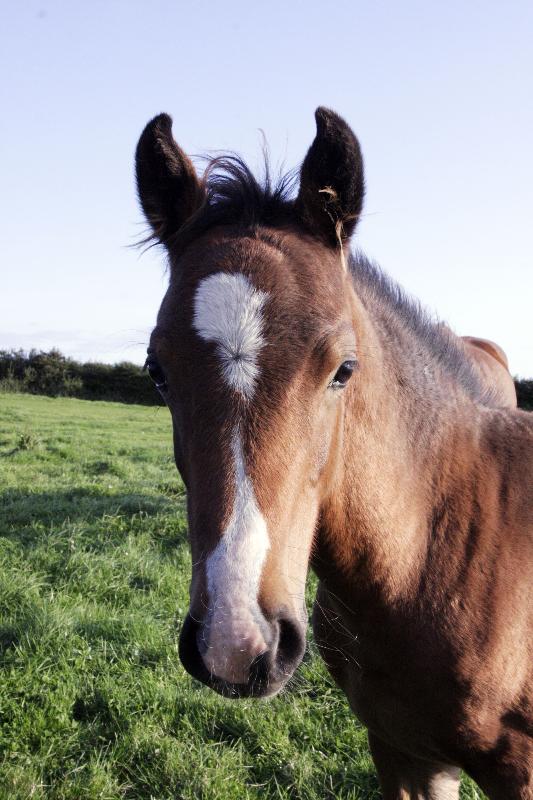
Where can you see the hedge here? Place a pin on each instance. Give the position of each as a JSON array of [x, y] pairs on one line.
[[55, 375]]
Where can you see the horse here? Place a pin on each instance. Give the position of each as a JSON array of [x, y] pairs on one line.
[[322, 420]]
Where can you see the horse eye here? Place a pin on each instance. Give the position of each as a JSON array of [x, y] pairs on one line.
[[156, 373], [343, 374]]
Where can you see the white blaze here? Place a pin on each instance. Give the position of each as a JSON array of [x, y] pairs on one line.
[[228, 311], [234, 567], [233, 572]]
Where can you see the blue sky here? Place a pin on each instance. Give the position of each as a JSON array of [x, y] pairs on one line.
[[439, 94]]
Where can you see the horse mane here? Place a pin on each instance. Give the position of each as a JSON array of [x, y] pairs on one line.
[[235, 196], [435, 337]]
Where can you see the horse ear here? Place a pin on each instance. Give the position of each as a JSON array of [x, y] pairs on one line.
[[167, 183], [331, 180]]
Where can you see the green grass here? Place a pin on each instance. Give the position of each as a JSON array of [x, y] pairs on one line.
[[94, 572]]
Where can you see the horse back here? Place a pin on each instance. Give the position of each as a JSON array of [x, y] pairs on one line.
[[491, 362]]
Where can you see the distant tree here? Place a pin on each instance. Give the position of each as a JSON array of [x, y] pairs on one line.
[[53, 374], [524, 393]]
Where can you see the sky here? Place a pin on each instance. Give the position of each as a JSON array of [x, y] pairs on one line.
[[440, 95]]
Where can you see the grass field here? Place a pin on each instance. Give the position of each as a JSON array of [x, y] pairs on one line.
[[94, 571]]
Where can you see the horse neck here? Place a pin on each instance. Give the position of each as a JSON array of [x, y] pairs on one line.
[[409, 435]]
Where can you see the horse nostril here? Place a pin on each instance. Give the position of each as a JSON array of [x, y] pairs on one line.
[[274, 666], [189, 652], [291, 644], [260, 670]]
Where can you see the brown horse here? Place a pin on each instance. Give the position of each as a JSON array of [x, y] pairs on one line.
[[321, 418]]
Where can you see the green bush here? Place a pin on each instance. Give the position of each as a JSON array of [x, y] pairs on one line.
[[524, 393], [53, 374]]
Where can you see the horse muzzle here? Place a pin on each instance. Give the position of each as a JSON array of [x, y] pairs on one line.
[[265, 663]]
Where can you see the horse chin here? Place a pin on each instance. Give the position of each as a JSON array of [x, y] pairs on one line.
[[241, 691], [267, 675]]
